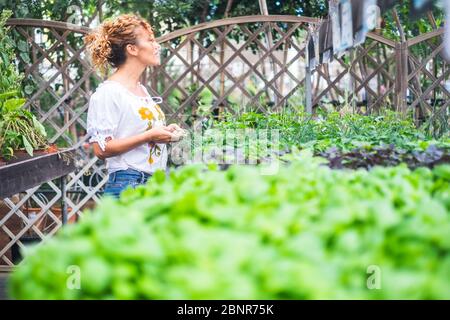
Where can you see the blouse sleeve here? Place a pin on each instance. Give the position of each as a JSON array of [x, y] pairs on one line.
[[102, 118]]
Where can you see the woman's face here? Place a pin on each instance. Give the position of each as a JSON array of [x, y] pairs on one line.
[[148, 49]]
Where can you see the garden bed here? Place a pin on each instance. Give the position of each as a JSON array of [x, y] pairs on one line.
[[22, 155], [347, 141], [21, 175]]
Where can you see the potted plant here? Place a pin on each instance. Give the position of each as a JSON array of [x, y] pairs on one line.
[[20, 132], [19, 128]]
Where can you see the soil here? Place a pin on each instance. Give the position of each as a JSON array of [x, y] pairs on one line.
[[21, 155]]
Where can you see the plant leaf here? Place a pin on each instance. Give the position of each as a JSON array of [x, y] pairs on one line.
[[13, 104], [11, 151], [29, 89], [39, 127], [22, 46], [27, 146], [25, 57], [8, 94], [5, 59]]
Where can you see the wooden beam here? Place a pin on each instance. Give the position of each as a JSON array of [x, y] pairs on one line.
[[20, 176]]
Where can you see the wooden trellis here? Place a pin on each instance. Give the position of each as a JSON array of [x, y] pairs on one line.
[[251, 35], [233, 61]]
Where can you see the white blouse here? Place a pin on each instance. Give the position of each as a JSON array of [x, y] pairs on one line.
[[115, 112]]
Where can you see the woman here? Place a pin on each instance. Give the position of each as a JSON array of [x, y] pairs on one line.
[[126, 126]]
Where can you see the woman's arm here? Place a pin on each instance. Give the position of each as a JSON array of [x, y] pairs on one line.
[[115, 147]]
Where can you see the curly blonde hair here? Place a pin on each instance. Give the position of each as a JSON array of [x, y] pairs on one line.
[[106, 44]]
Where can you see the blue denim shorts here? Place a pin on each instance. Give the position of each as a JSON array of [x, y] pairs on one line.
[[120, 180]]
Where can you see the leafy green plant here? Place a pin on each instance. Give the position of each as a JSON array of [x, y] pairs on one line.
[[19, 128], [307, 232], [10, 79], [349, 140], [346, 131]]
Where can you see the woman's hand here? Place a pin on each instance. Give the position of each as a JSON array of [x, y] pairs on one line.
[[177, 132], [115, 147], [160, 135], [173, 127]]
